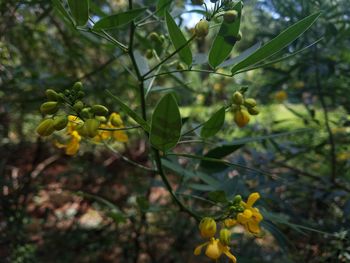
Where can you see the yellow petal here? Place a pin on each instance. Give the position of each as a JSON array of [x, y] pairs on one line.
[[252, 199], [257, 216], [253, 227], [230, 222], [198, 249], [214, 250], [120, 136], [245, 216], [226, 251]]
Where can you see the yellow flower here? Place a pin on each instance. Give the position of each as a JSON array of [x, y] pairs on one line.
[[207, 227], [214, 250], [114, 122], [250, 217], [73, 146]]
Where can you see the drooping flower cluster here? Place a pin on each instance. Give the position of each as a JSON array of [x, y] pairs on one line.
[[105, 131], [68, 110], [239, 212]]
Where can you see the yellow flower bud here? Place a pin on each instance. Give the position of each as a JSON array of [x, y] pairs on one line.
[[230, 222], [51, 95], [225, 237], [207, 227], [45, 128], [230, 16], [60, 122], [253, 111], [50, 107], [116, 120], [202, 28], [99, 110], [237, 98], [250, 103], [242, 118]]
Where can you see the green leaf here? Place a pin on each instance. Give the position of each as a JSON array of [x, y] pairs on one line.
[[162, 7], [118, 20], [61, 10], [225, 39], [218, 196], [218, 153], [80, 11], [278, 43], [178, 40], [131, 113], [166, 124], [241, 57], [214, 124]]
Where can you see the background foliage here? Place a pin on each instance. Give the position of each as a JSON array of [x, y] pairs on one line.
[[96, 207]]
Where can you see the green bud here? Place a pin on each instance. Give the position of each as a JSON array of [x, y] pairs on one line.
[[45, 128], [78, 106], [101, 119], [91, 127], [149, 53], [67, 92], [51, 95], [180, 66], [202, 28], [60, 97], [253, 111], [237, 199], [85, 113], [237, 98], [250, 103], [99, 110], [60, 122], [77, 86], [155, 37], [80, 94], [225, 236], [230, 16], [50, 107]]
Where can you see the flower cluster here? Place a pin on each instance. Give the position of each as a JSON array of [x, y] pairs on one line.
[[238, 212], [215, 247], [68, 111], [242, 108]]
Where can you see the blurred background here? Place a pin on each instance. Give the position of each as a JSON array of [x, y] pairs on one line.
[[97, 207]]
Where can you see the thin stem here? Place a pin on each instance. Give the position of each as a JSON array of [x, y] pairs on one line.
[[168, 57], [169, 188], [189, 70], [126, 159], [120, 129]]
